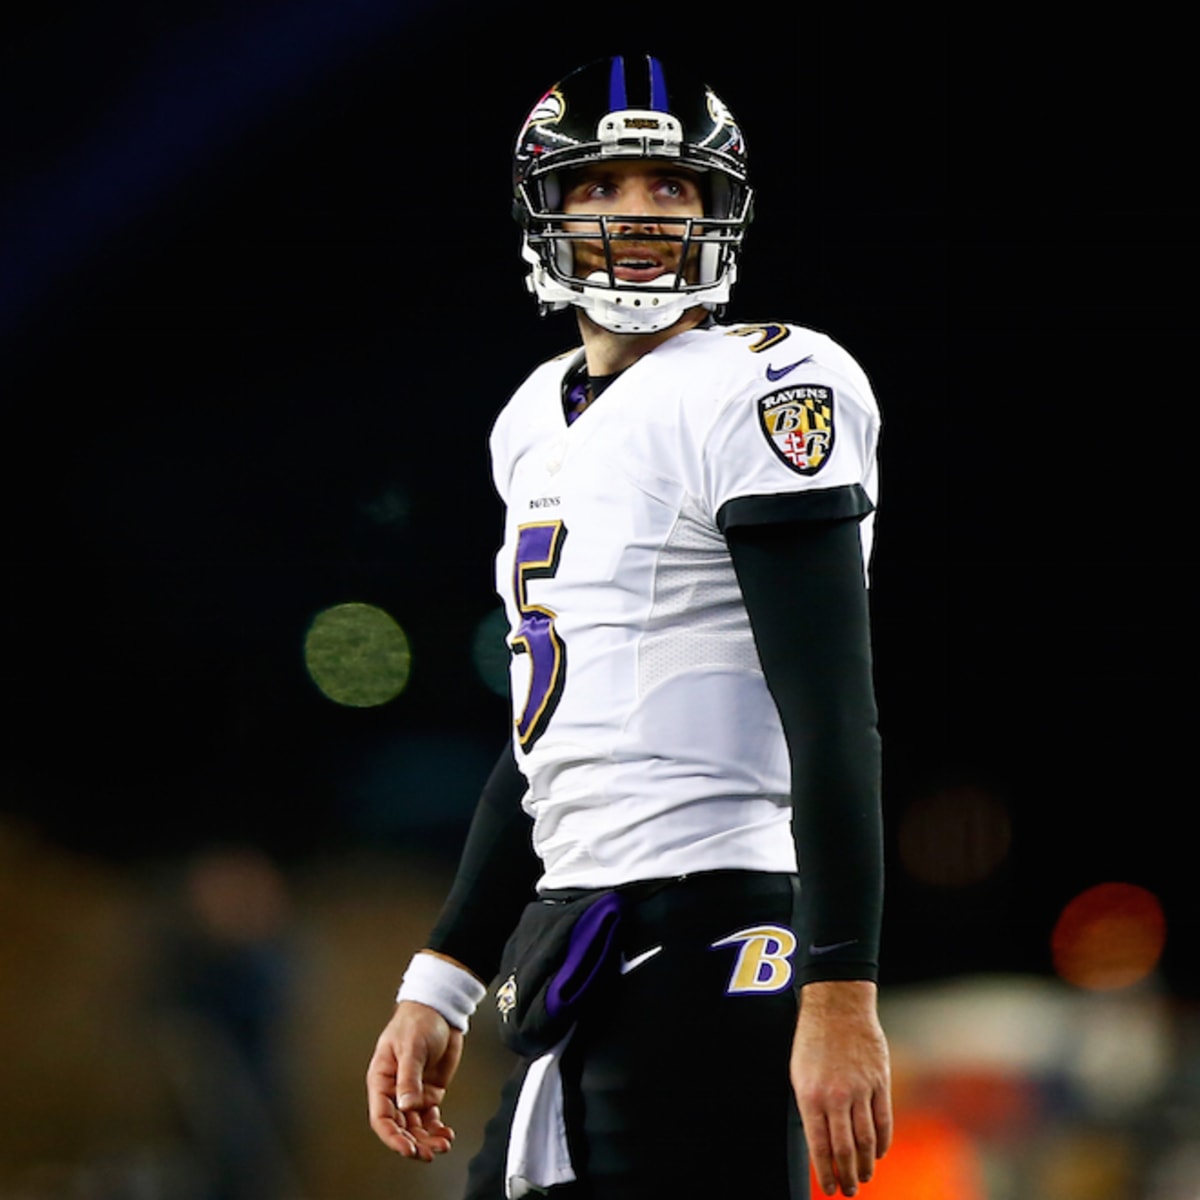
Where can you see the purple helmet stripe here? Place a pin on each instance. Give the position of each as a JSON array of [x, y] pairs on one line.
[[617, 96], [658, 87]]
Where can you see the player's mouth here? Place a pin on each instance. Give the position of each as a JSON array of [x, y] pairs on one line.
[[630, 262], [633, 263], [637, 270]]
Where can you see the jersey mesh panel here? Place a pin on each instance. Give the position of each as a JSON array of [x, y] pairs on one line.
[[697, 618]]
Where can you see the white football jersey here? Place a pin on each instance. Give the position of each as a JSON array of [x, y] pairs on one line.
[[642, 721]]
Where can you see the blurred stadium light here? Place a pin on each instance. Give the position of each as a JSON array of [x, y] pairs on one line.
[[1109, 936], [357, 655]]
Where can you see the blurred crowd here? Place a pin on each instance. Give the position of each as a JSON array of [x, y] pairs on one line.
[[198, 1030]]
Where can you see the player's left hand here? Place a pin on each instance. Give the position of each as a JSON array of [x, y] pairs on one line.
[[842, 1079]]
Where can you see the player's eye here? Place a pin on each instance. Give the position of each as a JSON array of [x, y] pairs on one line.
[[590, 190], [675, 188]]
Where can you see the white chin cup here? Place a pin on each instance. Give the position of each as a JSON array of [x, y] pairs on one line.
[[626, 310]]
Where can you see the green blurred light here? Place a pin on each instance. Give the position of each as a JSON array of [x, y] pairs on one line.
[[490, 653], [357, 655]]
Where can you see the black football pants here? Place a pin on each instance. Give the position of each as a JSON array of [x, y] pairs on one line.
[[676, 1079]]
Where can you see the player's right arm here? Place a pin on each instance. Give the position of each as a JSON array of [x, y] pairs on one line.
[[419, 1049]]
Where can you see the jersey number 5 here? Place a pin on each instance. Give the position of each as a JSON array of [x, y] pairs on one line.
[[538, 548]]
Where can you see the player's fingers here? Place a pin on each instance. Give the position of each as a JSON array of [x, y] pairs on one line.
[[436, 1126], [845, 1150], [865, 1141], [400, 1074], [410, 1087], [381, 1101], [413, 1140], [881, 1107], [428, 1130], [389, 1126], [820, 1153], [393, 1123], [429, 1134], [406, 1145]]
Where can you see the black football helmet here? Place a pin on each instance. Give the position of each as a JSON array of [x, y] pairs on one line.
[[630, 106]]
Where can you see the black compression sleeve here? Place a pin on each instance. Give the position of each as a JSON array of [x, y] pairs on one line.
[[496, 876], [804, 588]]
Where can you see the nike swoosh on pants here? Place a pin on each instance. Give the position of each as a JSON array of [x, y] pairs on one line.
[[628, 964]]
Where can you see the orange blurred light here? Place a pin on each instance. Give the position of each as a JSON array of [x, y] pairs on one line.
[[1109, 937]]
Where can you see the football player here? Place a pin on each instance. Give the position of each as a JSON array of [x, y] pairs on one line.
[[694, 760]]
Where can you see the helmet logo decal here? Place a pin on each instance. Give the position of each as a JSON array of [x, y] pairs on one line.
[[549, 110], [722, 119], [798, 425], [718, 109]]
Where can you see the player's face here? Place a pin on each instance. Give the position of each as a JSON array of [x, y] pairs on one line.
[[646, 197]]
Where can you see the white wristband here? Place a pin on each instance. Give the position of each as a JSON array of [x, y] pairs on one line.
[[451, 990]]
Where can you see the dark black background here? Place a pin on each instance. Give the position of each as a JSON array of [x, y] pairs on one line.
[[261, 301]]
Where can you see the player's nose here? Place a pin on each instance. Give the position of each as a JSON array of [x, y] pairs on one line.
[[638, 202]]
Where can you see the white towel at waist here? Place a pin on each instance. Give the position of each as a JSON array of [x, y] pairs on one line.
[[538, 1156]]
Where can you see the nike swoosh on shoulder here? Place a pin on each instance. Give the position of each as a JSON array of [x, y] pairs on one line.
[[628, 964], [774, 375]]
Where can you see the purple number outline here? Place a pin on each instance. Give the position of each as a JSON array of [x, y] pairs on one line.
[[539, 546]]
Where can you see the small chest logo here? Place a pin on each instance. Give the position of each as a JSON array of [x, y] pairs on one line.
[[798, 425]]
